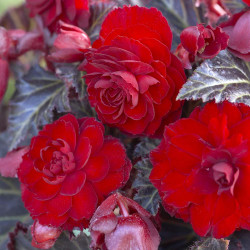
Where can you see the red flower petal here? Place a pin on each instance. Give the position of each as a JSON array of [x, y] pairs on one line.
[[159, 50], [137, 112], [10, 163], [117, 160], [44, 191], [59, 205], [97, 168], [36, 206], [110, 183], [73, 183], [84, 203], [135, 47], [95, 136], [51, 219], [137, 15], [82, 152]]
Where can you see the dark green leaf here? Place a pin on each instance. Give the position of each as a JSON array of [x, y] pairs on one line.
[[234, 5], [11, 209], [98, 11], [240, 240], [224, 77], [147, 195], [175, 234], [211, 244], [180, 14], [23, 242], [144, 147], [37, 94]]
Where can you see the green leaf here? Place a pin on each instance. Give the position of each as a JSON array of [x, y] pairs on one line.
[[240, 240], [144, 147], [180, 14], [147, 195], [98, 11], [11, 209], [37, 94], [211, 243], [234, 6], [176, 234], [224, 77]]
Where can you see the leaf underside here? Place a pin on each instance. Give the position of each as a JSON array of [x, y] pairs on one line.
[[224, 77], [37, 94]]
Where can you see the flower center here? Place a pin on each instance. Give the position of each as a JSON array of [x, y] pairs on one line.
[[59, 161], [225, 175]]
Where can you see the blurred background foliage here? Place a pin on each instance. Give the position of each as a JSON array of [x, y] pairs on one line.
[[5, 4]]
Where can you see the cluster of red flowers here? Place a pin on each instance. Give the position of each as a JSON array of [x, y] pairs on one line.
[[201, 167]]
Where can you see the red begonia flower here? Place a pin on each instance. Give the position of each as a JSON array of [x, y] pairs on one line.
[[204, 42], [202, 169], [121, 223], [69, 44], [69, 169], [237, 27], [132, 77], [74, 12], [44, 237]]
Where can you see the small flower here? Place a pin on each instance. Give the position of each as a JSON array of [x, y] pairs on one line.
[[237, 27], [132, 77], [204, 42], [69, 169], [44, 237], [121, 223], [69, 44], [202, 169], [74, 12]]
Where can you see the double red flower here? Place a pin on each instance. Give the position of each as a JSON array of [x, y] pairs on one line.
[[202, 169], [132, 77], [70, 168]]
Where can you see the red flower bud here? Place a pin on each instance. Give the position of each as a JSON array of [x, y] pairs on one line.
[[183, 56], [214, 9], [205, 42], [44, 237], [237, 27], [69, 44], [4, 72], [120, 223]]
